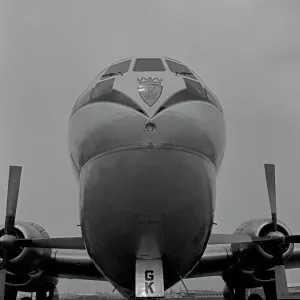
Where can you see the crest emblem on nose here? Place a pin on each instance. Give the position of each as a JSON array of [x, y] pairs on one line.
[[150, 89]]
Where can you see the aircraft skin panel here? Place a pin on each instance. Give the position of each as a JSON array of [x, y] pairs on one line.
[[194, 125], [179, 219]]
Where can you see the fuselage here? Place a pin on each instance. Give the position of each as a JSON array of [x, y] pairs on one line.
[[146, 145]]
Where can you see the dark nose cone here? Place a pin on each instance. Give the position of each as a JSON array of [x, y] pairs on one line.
[[143, 202]]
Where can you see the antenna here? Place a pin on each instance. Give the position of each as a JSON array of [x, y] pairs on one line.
[[183, 285]]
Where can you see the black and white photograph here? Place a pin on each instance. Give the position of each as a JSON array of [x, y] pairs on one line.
[[149, 149]]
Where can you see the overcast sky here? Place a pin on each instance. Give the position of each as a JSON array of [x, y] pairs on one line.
[[248, 53]]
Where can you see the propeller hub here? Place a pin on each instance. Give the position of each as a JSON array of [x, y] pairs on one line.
[[276, 235], [7, 241]]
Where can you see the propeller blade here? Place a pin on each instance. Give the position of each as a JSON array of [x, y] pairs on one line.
[[11, 208], [282, 291], [292, 239], [2, 283], [12, 198], [219, 239], [270, 178], [75, 243], [3, 275]]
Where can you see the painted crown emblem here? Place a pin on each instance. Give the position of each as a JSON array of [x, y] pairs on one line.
[[155, 80], [150, 89]]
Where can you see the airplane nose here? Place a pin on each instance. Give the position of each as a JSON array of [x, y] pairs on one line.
[[141, 201]]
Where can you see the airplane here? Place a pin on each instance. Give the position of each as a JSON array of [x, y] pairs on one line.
[[146, 142]]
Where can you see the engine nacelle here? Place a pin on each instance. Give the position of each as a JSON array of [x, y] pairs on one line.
[[254, 265], [262, 254], [26, 266]]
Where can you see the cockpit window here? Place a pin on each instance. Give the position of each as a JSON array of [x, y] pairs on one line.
[[213, 99], [119, 68], [103, 91], [148, 64], [180, 69], [195, 88], [94, 81], [92, 92]]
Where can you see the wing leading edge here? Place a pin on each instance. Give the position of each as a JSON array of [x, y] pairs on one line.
[[73, 264]]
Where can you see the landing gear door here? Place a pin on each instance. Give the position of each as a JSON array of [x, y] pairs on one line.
[[149, 281]]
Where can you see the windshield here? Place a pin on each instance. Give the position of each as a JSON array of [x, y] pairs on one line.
[[148, 64]]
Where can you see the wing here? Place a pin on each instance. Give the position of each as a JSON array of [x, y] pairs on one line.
[[76, 264], [294, 260], [214, 261], [73, 264], [219, 258]]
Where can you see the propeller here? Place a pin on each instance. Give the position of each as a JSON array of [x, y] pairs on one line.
[[280, 274], [9, 241], [275, 237]]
